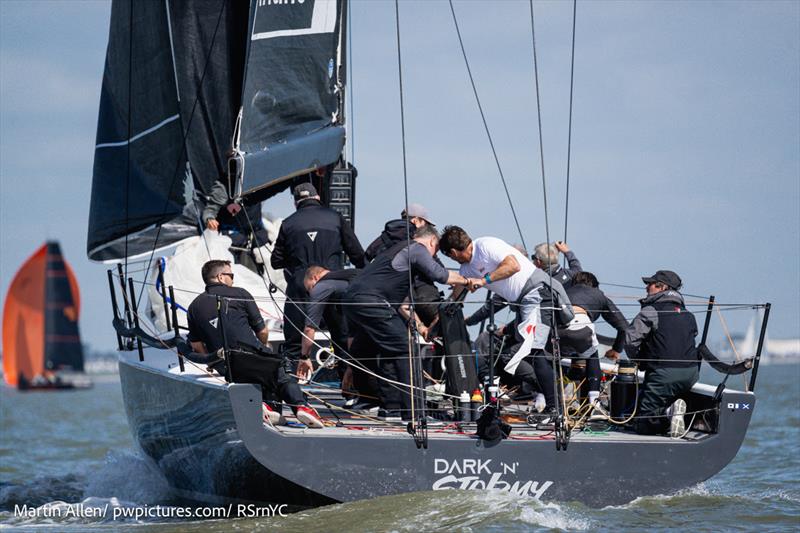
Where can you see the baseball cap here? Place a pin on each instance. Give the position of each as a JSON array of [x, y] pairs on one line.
[[419, 211], [667, 277], [304, 191]]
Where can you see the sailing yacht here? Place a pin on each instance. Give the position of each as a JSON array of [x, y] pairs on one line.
[[184, 83], [41, 342]]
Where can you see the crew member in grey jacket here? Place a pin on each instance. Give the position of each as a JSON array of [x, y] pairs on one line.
[[662, 339], [546, 256]]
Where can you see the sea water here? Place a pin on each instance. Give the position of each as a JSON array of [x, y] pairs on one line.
[[67, 460]]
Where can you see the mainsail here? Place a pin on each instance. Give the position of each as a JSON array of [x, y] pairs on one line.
[[40, 318], [184, 82], [292, 91]]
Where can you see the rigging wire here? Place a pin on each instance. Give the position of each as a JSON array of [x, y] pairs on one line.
[[350, 86], [557, 378], [413, 339], [486, 125], [175, 174], [128, 147], [569, 127]]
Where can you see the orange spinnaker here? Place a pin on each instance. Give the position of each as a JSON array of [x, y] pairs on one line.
[[23, 318]]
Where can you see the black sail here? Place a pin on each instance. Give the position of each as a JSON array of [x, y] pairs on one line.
[[62, 341], [292, 90], [178, 74], [210, 42], [139, 180], [171, 94]]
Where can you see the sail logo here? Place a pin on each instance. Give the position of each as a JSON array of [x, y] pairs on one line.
[[312, 235], [213, 322], [262, 3], [290, 18], [479, 474], [735, 406]]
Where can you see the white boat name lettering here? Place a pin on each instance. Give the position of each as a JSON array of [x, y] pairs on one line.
[[745, 406], [472, 476]]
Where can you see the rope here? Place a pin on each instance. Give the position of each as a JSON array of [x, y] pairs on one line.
[[732, 344], [485, 125]]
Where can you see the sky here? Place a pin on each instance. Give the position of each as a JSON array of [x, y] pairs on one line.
[[685, 150]]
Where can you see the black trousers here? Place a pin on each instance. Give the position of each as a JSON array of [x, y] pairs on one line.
[[377, 327], [537, 369], [257, 364], [661, 387], [294, 319]]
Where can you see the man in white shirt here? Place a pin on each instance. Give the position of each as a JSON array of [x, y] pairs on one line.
[[492, 263]]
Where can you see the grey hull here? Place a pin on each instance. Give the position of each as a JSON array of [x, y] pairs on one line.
[[189, 431], [211, 444]]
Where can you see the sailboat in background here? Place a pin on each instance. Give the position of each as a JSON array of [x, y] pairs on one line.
[[774, 351], [41, 342]]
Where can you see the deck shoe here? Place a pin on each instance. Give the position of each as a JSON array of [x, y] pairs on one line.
[[308, 416], [365, 409], [677, 426], [547, 420], [389, 415], [271, 416]]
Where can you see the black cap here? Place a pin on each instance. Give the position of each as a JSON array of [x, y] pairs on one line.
[[304, 191], [667, 277]]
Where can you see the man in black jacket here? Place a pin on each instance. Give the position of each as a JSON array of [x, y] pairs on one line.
[[398, 230], [590, 303], [326, 290], [244, 329], [374, 299], [661, 338], [313, 235]]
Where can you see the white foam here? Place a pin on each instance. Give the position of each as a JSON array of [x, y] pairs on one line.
[[128, 477]]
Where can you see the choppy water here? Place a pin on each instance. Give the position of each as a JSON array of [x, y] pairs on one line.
[[62, 453]]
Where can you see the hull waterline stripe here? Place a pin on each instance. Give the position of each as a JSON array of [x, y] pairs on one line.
[[139, 135]]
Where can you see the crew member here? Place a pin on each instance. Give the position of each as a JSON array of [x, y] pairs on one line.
[[546, 256], [239, 220], [492, 263], [244, 330], [590, 303], [372, 312], [398, 230], [662, 338], [326, 290], [313, 235]]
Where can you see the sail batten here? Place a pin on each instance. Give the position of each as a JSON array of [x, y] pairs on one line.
[[139, 135]]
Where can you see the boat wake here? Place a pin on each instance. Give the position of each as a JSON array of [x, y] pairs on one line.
[[125, 479], [449, 510]]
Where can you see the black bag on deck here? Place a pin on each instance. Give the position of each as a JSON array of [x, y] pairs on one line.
[[459, 359], [490, 427]]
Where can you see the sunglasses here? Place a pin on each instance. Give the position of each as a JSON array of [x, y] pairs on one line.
[[226, 274]]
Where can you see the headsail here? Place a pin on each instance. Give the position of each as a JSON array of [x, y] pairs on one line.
[[139, 146], [171, 93], [178, 74], [40, 318], [292, 90]]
